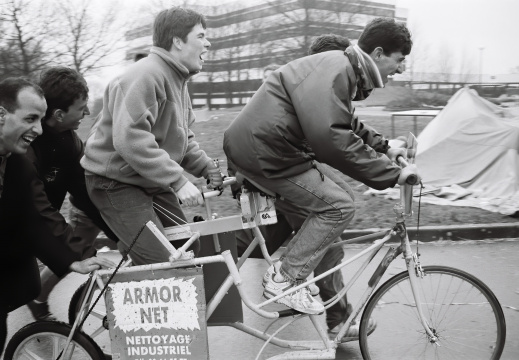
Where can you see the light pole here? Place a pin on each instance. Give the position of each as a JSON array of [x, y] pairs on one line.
[[481, 65]]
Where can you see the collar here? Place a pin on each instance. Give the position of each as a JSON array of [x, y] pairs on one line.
[[171, 61], [368, 76]]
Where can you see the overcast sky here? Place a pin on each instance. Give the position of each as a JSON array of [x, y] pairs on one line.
[[465, 26]]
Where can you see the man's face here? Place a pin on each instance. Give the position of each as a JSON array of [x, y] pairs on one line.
[[194, 49], [390, 65], [20, 128], [72, 118]]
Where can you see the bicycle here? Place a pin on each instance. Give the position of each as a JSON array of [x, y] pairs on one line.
[[422, 312]]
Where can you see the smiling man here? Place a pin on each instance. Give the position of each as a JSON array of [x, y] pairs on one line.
[[308, 104], [55, 155], [143, 142], [24, 234]]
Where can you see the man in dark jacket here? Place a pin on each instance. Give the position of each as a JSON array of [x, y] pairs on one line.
[[308, 104], [24, 233], [290, 219], [55, 155]]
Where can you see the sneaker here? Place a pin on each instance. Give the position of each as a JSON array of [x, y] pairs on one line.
[[352, 334], [300, 300], [314, 289], [40, 311]]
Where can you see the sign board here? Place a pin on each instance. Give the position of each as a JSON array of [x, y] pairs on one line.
[[157, 315]]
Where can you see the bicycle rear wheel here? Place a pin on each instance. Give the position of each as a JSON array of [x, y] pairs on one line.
[[47, 339], [461, 310]]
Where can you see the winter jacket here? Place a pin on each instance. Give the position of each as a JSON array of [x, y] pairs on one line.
[[55, 156], [25, 236], [143, 135], [308, 103]]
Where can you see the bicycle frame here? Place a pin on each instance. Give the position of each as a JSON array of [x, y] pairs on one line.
[[250, 218]]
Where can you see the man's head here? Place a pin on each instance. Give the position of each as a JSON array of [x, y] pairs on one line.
[[388, 43], [66, 92], [182, 33], [327, 42], [22, 106]]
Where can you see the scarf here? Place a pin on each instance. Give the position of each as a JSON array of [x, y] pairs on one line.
[[368, 76]]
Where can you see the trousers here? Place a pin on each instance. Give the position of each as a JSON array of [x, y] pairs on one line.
[[127, 208]]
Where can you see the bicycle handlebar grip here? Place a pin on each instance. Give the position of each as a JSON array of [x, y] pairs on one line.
[[411, 179]]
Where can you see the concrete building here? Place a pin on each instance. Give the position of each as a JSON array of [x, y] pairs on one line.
[[246, 36]]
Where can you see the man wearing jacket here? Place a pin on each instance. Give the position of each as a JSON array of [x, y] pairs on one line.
[[308, 103], [55, 155], [290, 219], [143, 141], [24, 233]]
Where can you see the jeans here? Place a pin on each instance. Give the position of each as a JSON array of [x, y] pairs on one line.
[[276, 234], [127, 208], [327, 201]]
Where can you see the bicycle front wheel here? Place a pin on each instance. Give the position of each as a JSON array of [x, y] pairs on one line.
[[47, 339], [461, 311]]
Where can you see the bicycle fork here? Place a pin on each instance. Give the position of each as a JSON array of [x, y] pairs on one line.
[[415, 271]]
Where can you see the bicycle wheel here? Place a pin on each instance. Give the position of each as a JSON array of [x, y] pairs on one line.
[[96, 325], [47, 339], [462, 311]]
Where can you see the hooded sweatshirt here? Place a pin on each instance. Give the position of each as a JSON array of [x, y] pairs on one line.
[[142, 135]]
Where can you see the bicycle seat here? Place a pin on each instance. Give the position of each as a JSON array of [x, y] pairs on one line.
[[251, 185]]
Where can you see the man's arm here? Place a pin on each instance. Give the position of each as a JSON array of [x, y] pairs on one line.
[[51, 216]]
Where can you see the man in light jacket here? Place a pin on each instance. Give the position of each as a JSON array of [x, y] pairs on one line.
[[307, 104], [143, 142]]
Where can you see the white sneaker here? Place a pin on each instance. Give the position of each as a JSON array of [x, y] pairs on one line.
[[271, 271], [300, 300]]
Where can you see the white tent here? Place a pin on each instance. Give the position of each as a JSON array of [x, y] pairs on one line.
[[468, 155]]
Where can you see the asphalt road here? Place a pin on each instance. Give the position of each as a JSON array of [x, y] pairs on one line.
[[495, 262]]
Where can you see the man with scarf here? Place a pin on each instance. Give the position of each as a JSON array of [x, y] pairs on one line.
[[308, 104]]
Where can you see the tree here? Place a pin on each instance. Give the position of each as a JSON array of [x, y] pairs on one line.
[[87, 38], [25, 48]]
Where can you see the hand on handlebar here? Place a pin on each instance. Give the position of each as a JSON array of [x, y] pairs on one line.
[[214, 178], [91, 264], [407, 172], [189, 195], [393, 153]]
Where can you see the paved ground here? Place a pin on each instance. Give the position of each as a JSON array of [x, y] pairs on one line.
[[494, 262]]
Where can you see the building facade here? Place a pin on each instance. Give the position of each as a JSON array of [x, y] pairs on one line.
[[246, 36]]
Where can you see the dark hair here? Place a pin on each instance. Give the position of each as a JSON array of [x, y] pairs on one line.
[[388, 34], [175, 22], [327, 42], [61, 87], [11, 87]]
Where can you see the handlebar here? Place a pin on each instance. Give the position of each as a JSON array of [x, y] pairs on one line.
[[411, 179], [209, 193]]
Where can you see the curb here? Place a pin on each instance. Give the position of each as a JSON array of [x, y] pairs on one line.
[[427, 233], [450, 232]]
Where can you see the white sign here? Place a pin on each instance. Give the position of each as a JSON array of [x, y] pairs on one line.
[[155, 304]]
